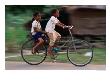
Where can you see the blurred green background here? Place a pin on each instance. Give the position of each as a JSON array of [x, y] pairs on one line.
[[15, 18], [15, 32]]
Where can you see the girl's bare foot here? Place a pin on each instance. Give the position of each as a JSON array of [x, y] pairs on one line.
[[34, 51]]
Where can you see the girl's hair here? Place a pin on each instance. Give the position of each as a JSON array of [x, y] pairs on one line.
[[34, 15], [54, 11], [28, 25]]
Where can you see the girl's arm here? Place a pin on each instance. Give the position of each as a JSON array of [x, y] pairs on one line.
[[60, 24], [36, 29]]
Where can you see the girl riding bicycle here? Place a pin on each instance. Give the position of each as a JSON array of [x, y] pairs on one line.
[[36, 31], [50, 29]]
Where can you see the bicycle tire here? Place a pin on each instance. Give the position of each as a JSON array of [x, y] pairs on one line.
[[78, 55], [29, 58]]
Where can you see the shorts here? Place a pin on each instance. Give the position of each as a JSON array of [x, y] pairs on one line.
[[53, 37], [41, 35], [37, 36]]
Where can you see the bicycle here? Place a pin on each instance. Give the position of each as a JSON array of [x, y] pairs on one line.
[[79, 52]]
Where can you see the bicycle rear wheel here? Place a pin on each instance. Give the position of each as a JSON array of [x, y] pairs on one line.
[[80, 53], [33, 59]]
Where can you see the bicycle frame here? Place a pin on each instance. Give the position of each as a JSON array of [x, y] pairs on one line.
[[70, 43], [72, 38]]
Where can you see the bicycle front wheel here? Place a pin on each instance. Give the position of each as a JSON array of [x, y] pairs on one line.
[[33, 59], [80, 53]]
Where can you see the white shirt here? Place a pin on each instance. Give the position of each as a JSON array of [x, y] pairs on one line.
[[51, 24], [35, 24]]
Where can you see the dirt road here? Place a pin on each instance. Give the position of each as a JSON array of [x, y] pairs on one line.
[[50, 66]]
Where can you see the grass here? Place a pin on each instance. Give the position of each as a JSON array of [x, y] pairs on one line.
[[99, 57]]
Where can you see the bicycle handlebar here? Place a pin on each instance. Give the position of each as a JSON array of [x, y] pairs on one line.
[[70, 27]]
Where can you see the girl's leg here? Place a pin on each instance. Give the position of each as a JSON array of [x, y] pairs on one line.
[[50, 35], [56, 36], [39, 42]]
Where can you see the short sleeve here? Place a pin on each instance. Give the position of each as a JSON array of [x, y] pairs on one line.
[[34, 24], [54, 20]]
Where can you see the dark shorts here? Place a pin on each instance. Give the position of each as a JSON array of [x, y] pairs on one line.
[[37, 35], [40, 35]]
